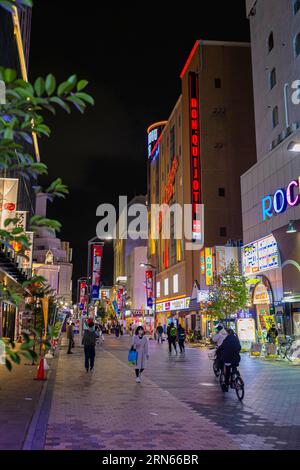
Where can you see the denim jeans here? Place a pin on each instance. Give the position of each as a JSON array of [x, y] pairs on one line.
[[89, 352]]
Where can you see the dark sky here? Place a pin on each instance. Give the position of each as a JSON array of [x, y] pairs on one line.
[[132, 56]]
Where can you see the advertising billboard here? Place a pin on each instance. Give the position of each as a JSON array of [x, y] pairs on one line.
[[260, 256]]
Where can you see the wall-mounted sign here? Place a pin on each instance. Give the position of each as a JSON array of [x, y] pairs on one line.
[[261, 295], [171, 305], [260, 256], [154, 137], [246, 329], [195, 156], [97, 252], [281, 200], [208, 266]]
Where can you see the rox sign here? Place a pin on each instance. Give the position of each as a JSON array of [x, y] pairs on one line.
[[278, 203]]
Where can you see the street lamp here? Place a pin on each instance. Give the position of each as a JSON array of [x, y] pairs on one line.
[[154, 268]]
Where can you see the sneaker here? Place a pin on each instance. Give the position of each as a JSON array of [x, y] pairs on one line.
[[92, 369], [138, 380]]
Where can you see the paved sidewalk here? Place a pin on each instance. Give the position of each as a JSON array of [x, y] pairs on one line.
[[106, 409], [19, 395]]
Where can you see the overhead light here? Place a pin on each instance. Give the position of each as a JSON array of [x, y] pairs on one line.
[[142, 265], [291, 227], [294, 147]]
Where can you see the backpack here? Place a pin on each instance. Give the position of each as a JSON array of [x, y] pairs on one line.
[[173, 332]]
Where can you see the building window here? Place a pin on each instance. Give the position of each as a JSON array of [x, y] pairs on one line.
[[222, 192], [297, 45], [175, 284], [218, 83], [166, 286], [223, 232], [275, 117], [296, 6], [158, 289], [270, 42], [273, 78]]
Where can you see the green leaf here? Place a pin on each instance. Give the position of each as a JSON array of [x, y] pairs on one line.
[[86, 97], [9, 75], [39, 86], [61, 103], [50, 84], [8, 365], [8, 134], [82, 84]]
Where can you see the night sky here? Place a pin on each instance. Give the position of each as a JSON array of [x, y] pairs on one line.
[[132, 56]]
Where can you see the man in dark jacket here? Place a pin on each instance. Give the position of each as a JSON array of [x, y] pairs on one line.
[[172, 337], [70, 337], [230, 354], [89, 343], [159, 332]]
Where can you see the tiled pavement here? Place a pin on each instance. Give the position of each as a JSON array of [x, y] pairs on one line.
[[19, 395], [106, 409]]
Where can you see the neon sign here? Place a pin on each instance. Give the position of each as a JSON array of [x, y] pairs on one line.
[[195, 155], [278, 203]]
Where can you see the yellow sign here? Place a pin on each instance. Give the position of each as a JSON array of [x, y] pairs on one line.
[[208, 266]]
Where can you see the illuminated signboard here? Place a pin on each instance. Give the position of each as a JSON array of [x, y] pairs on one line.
[[8, 199], [97, 251], [154, 137], [195, 156], [261, 255], [178, 304], [282, 198], [208, 266]]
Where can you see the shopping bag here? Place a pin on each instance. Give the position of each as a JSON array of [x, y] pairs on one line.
[[132, 357]]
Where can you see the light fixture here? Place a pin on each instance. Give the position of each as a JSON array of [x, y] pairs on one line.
[[291, 227], [294, 147], [142, 265]]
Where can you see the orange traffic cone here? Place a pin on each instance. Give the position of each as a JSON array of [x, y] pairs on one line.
[[41, 371]]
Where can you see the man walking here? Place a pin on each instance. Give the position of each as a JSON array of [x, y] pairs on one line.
[[89, 343], [172, 336], [70, 337], [159, 332]]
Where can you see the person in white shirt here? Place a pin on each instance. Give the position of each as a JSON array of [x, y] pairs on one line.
[[219, 337]]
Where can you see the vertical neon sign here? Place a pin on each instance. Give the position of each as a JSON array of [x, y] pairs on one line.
[[195, 155]]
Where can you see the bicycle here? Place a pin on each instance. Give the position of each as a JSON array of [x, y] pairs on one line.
[[285, 347], [235, 382], [216, 362]]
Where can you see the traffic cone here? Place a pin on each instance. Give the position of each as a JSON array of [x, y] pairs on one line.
[[41, 371]]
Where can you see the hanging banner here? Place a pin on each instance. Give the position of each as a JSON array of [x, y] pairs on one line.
[[27, 263], [149, 288], [82, 293], [45, 307], [208, 266], [97, 252], [22, 219], [8, 199]]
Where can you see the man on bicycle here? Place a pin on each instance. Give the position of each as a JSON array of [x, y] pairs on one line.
[[218, 338], [230, 355]]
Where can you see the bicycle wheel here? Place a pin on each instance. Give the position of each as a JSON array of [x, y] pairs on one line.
[[216, 369], [239, 388], [288, 355], [222, 381]]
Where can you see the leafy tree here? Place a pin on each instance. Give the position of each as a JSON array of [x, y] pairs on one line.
[[228, 293], [21, 117]]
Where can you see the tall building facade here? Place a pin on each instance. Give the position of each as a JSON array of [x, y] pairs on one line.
[[205, 146], [270, 189]]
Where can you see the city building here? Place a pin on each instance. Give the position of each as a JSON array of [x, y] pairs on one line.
[[16, 193], [270, 189], [52, 258], [129, 277], [199, 154]]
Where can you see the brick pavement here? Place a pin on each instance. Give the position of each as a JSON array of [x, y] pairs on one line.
[[268, 418], [106, 409], [19, 395]]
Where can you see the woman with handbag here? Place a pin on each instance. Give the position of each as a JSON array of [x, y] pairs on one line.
[[140, 345]]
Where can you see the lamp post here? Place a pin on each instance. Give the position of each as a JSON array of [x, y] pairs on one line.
[[154, 268]]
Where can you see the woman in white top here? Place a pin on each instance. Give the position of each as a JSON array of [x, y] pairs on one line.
[[140, 344]]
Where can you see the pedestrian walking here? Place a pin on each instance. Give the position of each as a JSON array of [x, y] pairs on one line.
[[121, 330], [181, 338], [159, 332], [140, 345], [89, 343], [172, 336], [70, 337], [117, 330], [272, 334]]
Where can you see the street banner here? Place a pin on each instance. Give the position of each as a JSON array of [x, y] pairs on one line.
[[27, 263], [97, 252], [82, 293], [45, 307], [8, 199], [149, 287]]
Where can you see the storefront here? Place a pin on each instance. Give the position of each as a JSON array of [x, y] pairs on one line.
[[176, 311]]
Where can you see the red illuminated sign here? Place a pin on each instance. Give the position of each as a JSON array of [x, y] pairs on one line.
[[195, 153]]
